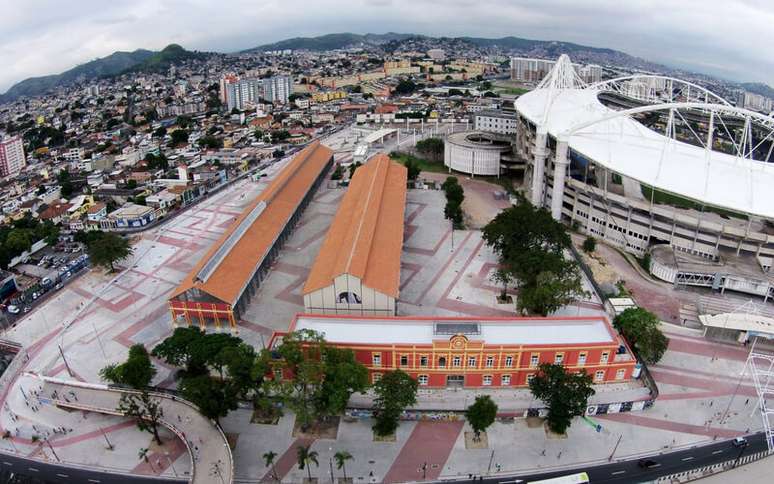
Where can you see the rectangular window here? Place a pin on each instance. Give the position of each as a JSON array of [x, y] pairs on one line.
[[530, 377], [534, 360], [558, 358], [376, 359], [422, 379], [619, 374], [603, 359], [487, 380], [489, 361], [505, 380], [376, 377], [403, 360], [471, 362], [581, 359], [508, 361], [423, 360], [599, 375], [457, 361], [442, 362]]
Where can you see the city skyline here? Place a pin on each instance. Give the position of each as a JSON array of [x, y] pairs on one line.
[[684, 36]]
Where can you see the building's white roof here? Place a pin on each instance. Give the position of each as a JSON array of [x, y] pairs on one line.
[[378, 135], [631, 149], [756, 323], [420, 331]]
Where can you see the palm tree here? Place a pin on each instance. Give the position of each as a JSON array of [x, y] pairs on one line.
[[268, 457], [143, 454], [342, 457], [305, 458]]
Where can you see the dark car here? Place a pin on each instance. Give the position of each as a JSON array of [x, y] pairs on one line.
[[647, 463]]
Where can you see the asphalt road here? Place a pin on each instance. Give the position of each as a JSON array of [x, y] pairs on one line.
[[666, 464], [17, 469]]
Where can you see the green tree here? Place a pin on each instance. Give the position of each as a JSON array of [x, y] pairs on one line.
[[353, 167], [552, 289], [343, 375], [145, 409], [589, 245], [18, 241], [337, 173], [302, 352], [160, 132], [179, 136], [640, 327], [530, 245], [214, 397], [341, 458], [455, 195], [412, 169], [210, 142], [481, 414], [108, 248], [137, 371], [306, 458], [268, 459], [395, 391], [566, 394], [131, 184], [184, 348], [405, 86], [431, 148]]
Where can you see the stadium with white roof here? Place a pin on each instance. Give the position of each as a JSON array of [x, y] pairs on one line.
[[657, 166]]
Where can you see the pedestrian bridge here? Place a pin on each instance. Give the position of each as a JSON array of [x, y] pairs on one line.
[[211, 458]]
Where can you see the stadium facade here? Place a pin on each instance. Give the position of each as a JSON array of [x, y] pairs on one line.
[[655, 164]]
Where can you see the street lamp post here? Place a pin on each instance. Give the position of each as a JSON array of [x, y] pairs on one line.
[[615, 448]]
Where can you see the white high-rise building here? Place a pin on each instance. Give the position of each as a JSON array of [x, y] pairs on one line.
[[534, 70], [277, 89], [12, 159]]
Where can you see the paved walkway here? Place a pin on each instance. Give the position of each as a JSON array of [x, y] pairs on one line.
[[428, 447], [206, 444]]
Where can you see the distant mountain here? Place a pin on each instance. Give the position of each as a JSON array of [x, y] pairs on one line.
[[758, 88], [115, 64], [331, 41]]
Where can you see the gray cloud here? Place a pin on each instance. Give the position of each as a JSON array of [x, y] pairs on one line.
[[728, 38]]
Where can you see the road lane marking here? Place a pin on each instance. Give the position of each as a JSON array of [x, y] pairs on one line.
[[62, 475], [716, 452], [33, 469], [7, 463], [617, 472], [687, 458]]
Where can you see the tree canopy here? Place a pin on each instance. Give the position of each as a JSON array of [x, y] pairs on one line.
[[640, 327], [530, 245], [566, 394], [455, 195], [481, 414], [137, 371], [107, 248], [395, 391], [431, 148]]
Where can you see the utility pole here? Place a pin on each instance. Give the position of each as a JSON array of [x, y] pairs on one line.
[[330, 462], [110, 446], [491, 458], [615, 448], [57, 457], [61, 352]]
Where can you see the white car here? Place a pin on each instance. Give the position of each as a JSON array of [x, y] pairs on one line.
[[13, 309]]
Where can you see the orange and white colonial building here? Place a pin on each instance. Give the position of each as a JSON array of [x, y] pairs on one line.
[[475, 352]]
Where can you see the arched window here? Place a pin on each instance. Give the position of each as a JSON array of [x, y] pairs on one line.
[[349, 298]]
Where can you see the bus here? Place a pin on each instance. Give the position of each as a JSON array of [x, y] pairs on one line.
[[580, 478]]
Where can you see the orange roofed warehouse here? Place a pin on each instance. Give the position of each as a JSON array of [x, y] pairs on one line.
[[475, 352], [220, 285], [358, 268]]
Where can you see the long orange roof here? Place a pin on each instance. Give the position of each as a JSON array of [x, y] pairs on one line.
[[366, 236], [230, 263]]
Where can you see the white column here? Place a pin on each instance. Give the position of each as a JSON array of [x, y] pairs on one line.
[[560, 171], [538, 166]]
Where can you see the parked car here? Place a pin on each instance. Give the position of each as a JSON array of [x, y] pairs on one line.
[[13, 309], [647, 463]]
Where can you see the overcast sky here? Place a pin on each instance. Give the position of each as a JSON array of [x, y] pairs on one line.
[[729, 38]]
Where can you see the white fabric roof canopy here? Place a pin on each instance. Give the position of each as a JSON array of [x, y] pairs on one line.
[[631, 149]]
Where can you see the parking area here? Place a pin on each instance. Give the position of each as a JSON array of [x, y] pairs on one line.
[[43, 273]]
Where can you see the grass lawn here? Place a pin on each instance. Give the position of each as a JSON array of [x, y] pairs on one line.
[[424, 165]]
